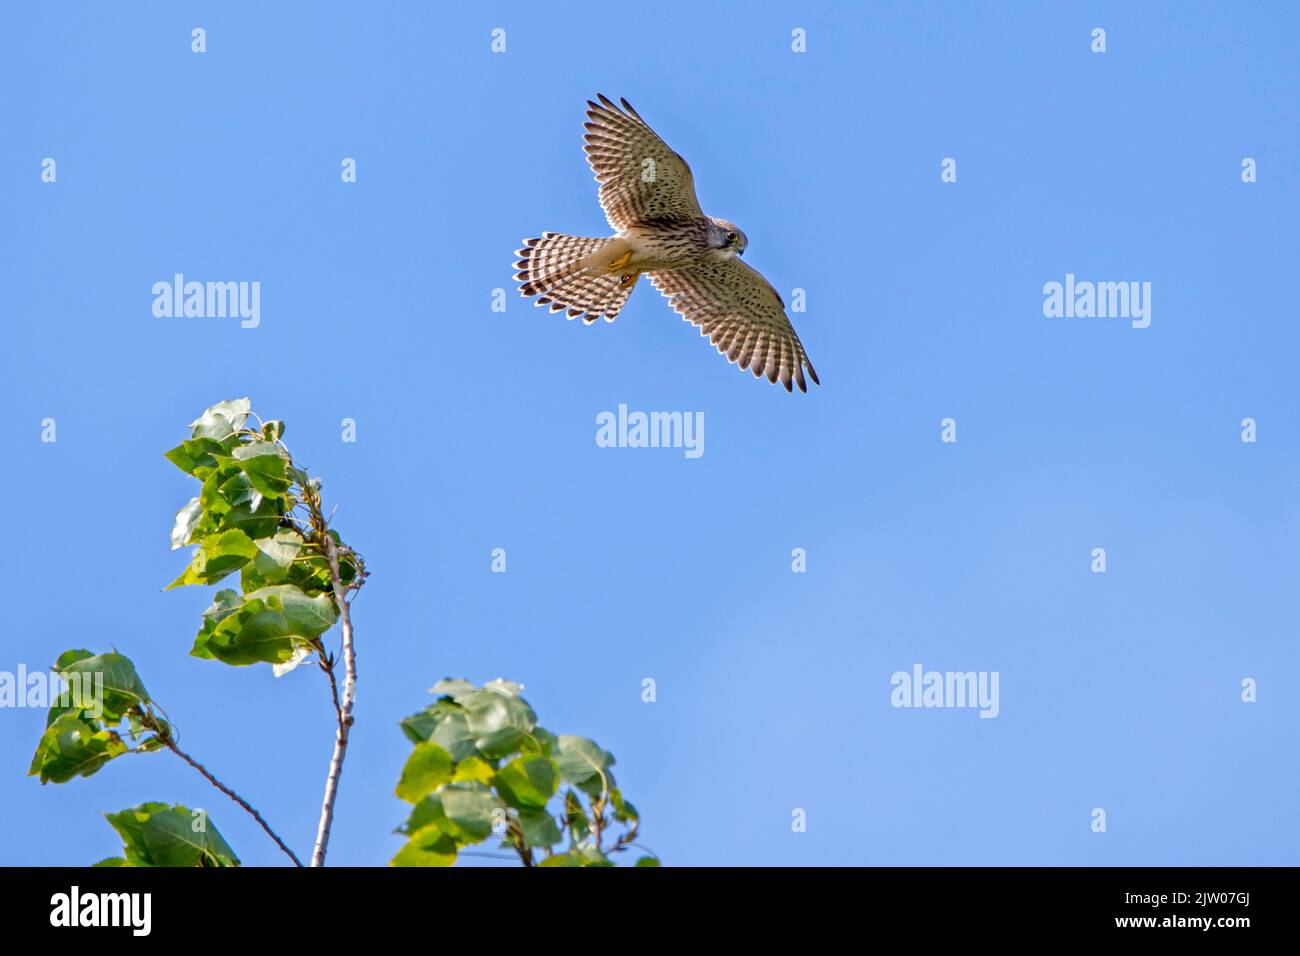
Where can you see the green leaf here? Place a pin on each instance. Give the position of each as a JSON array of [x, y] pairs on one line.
[[419, 726], [504, 687], [476, 769], [226, 602], [72, 747], [575, 818], [221, 420], [217, 556], [185, 522], [121, 684], [570, 859], [468, 807], [624, 812], [582, 763], [540, 828], [275, 555], [591, 856], [179, 837], [266, 465], [427, 769], [527, 783], [58, 710], [446, 724], [227, 489], [648, 861], [256, 520], [428, 846], [199, 457], [307, 615], [311, 573], [71, 657], [539, 741], [155, 834], [118, 673], [447, 687], [498, 722], [427, 812], [264, 626]]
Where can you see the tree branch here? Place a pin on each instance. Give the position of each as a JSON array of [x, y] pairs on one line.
[[327, 665], [598, 810], [520, 844], [171, 745], [344, 708]]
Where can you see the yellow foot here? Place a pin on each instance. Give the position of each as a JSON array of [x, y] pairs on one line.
[[628, 280], [620, 262]]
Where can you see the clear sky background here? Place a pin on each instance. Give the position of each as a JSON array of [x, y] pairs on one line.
[[476, 429]]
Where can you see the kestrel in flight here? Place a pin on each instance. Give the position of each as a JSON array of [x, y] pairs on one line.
[[648, 195]]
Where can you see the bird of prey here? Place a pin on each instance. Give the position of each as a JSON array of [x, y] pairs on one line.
[[648, 195]]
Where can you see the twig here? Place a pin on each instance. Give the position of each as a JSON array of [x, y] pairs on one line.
[[598, 809], [171, 745], [344, 712], [327, 665], [520, 845]]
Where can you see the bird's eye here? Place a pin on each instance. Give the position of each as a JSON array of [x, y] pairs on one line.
[[731, 237]]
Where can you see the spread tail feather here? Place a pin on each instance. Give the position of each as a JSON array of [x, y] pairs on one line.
[[557, 269]]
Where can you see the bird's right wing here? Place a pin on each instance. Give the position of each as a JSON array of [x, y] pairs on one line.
[[640, 177], [742, 315]]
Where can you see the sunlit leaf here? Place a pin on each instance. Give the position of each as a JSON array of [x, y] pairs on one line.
[[121, 685], [72, 747], [582, 763], [156, 834], [221, 419], [185, 522], [474, 769], [428, 846], [266, 466], [528, 782], [428, 768], [217, 556], [469, 807]]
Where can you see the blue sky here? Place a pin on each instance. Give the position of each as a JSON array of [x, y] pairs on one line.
[[476, 429]]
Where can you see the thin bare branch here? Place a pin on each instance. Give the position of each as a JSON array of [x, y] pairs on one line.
[[344, 711], [327, 665], [171, 745]]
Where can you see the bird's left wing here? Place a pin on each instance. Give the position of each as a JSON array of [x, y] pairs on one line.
[[640, 177], [742, 315]]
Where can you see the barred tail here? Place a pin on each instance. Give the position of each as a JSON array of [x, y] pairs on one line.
[[553, 268]]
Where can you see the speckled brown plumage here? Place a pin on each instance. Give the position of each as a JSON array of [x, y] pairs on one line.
[[648, 194]]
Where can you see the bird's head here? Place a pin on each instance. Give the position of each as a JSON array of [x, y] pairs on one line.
[[728, 238]]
